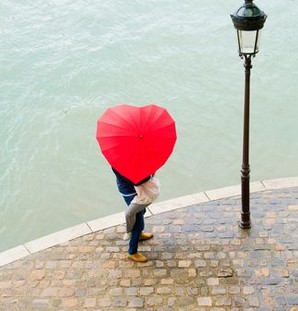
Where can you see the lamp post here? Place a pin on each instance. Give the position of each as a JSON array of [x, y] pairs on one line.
[[248, 21]]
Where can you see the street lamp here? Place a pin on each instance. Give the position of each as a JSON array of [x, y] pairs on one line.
[[248, 21]]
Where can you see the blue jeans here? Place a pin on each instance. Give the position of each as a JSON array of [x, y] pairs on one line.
[[126, 188]]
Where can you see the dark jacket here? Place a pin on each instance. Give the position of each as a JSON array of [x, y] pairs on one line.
[[127, 181]]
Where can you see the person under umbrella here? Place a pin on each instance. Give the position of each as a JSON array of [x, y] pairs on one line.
[[136, 142], [135, 223]]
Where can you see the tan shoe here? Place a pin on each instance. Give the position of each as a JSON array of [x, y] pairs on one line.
[[145, 236], [137, 257]]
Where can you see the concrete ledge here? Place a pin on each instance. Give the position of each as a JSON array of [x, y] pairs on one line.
[[173, 204], [57, 238], [106, 222], [233, 191], [71, 233], [281, 183], [13, 254]]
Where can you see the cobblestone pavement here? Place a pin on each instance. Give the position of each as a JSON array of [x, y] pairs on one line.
[[199, 259]]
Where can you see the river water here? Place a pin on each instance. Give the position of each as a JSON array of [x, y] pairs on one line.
[[64, 62]]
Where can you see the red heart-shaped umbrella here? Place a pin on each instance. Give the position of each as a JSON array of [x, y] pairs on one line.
[[136, 141]]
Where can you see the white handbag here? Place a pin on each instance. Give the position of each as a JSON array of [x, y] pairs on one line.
[[147, 192]]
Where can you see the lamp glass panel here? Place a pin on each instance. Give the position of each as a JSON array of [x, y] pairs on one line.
[[249, 41]]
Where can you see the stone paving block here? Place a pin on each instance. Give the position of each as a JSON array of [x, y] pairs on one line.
[[204, 301]]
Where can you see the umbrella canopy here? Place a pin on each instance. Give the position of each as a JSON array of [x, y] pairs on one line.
[[136, 141]]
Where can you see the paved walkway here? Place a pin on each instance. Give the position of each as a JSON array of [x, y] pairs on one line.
[[199, 259]]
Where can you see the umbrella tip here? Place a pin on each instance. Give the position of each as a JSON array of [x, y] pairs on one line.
[[141, 136]]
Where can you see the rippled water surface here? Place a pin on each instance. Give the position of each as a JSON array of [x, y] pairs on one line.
[[64, 62]]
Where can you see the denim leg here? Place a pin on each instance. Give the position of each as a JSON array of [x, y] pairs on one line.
[[128, 192], [128, 198], [136, 232]]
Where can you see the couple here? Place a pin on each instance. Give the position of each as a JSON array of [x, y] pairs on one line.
[[137, 197]]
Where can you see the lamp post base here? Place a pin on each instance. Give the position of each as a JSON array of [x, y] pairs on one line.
[[245, 201], [244, 224]]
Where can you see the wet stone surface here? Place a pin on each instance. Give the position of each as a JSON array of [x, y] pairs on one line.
[[199, 259]]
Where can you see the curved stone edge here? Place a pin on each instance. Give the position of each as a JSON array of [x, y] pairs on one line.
[[92, 226]]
